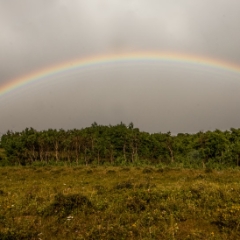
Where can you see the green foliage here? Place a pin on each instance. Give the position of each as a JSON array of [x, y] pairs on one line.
[[3, 158], [120, 145]]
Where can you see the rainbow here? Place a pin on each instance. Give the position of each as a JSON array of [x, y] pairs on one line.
[[116, 58]]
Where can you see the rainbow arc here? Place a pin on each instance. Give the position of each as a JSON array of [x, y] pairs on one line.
[[116, 58]]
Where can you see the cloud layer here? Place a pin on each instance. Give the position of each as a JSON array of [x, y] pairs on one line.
[[36, 34]]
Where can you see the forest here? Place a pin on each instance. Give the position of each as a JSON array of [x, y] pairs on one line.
[[120, 144]]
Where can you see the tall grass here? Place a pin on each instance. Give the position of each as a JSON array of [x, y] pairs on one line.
[[62, 202]]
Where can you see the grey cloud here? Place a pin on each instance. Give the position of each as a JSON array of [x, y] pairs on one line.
[[36, 34]]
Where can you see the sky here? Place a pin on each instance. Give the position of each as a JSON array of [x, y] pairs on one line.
[[157, 96]]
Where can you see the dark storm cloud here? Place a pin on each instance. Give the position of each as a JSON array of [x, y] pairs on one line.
[[36, 34]]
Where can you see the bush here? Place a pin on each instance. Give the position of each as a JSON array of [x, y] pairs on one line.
[[228, 218], [5, 162], [147, 170], [124, 185], [141, 200], [208, 170], [111, 171], [65, 205]]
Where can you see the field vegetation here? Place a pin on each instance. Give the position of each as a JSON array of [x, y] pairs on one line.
[[116, 182], [99, 202]]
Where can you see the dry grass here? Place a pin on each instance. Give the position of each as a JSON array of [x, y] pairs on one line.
[[118, 203]]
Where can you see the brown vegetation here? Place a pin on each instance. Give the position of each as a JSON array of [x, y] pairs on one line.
[[118, 203]]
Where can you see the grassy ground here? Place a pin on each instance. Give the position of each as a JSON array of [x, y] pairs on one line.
[[118, 203]]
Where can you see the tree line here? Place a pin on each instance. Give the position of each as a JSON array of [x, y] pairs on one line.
[[121, 144]]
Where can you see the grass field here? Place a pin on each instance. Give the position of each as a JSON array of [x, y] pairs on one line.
[[118, 203]]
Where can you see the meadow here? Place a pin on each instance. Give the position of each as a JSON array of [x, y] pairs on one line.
[[81, 202]]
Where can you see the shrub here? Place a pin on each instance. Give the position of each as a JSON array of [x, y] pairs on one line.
[[89, 171], [65, 205], [228, 218], [111, 171], [100, 189], [123, 185], [208, 170], [141, 200], [147, 170], [160, 170]]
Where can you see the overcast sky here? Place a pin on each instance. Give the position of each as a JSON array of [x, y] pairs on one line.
[[156, 97]]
